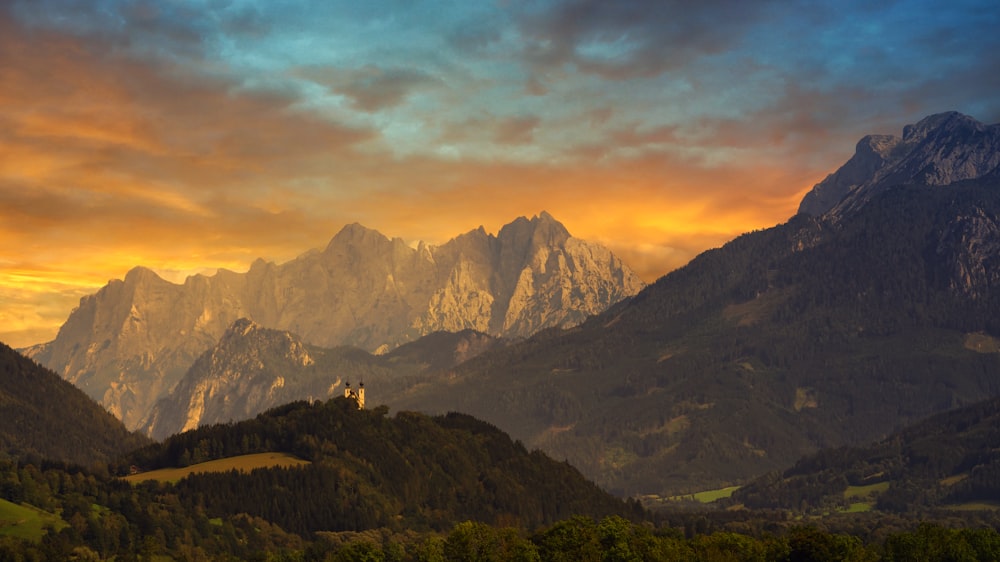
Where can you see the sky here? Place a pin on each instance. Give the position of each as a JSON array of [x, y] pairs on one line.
[[187, 136]]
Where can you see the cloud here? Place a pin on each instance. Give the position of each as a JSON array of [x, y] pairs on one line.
[[633, 38], [370, 88], [189, 136]]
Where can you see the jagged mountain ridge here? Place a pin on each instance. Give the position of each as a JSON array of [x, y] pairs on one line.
[[132, 341], [939, 150], [252, 369], [819, 332]]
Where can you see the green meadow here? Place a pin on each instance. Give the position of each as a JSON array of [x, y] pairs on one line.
[[25, 521], [242, 463]]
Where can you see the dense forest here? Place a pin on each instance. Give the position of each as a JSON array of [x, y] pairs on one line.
[[101, 517], [44, 417], [452, 487], [947, 461], [406, 471]]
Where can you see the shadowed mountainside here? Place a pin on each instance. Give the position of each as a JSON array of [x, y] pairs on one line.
[[818, 332], [43, 416]]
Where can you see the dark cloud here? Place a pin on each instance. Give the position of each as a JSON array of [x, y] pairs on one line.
[[516, 130], [245, 23], [370, 88], [634, 38]]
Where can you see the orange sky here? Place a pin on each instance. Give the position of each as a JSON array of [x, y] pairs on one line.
[[120, 148]]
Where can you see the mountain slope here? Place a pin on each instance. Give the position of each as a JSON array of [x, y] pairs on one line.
[[939, 150], [819, 332], [945, 461], [129, 344], [44, 416], [253, 368]]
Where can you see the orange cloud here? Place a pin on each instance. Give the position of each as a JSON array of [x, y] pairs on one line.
[[107, 163]]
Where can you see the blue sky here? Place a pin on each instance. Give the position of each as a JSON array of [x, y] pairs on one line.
[[187, 136]]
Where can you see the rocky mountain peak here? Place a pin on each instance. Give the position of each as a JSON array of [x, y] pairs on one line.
[[542, 229], [131, 343], [947, 122], [139, 274], [248, 370], [242, 327], [356, 235], [936, 151]]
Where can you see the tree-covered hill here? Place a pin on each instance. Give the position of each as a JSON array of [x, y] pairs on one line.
[[44, 417], [949, 461], [370, 470]]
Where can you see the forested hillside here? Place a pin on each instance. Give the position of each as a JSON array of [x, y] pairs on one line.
[[371, 470], [44, 417], [950, 461]]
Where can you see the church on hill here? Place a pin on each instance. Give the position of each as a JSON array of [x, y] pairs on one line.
[[358, 395]]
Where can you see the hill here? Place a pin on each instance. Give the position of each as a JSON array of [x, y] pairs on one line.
[[45, 417], [820, 332], [409, 471], [949, 461]]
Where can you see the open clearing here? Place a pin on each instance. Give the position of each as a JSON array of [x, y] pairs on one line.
[[975, 506], [707, 496], [869, 491], [243, 463], [25, 521]]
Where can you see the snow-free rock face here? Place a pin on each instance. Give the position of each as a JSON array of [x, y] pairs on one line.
[[252, 369], [939, 150], [129, 344], [248, 371]]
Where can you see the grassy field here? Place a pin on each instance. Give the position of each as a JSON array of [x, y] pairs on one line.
[[869, 491], [864, 496], [975, 506], [707, 496], [26, 522], [244, 463]]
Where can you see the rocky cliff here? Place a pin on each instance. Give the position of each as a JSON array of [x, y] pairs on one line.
[[252, 369], [129, 344], [939, 150]]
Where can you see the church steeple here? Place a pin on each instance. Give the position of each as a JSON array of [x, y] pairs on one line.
[[358, 395]]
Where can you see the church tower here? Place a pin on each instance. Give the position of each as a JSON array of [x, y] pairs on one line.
[[358, 395]]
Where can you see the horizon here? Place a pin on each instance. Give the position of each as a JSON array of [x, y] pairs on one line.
[[187, 139]]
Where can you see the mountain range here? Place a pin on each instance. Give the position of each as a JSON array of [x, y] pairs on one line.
[[823, 331], [130, 343], [871, 309]]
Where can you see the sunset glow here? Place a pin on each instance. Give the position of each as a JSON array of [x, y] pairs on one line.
[[186, 137]]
